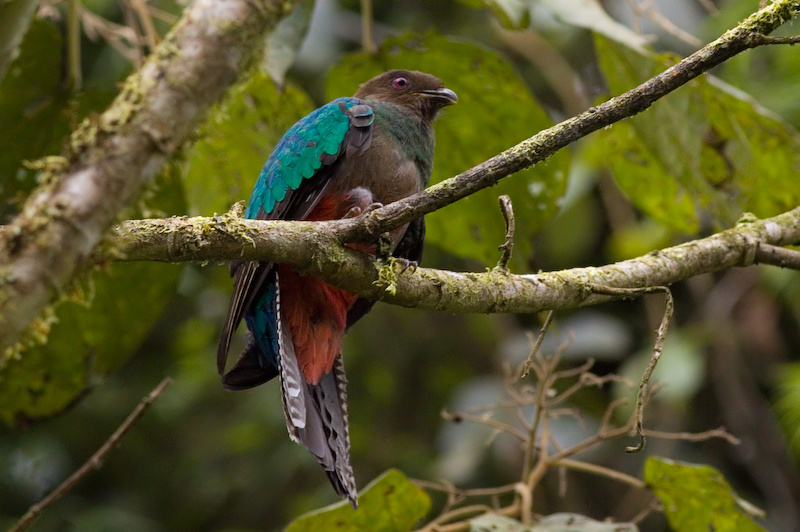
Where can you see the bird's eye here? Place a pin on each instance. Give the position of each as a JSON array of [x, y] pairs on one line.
[[400, 82]]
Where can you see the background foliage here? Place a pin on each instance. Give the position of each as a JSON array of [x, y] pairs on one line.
[[204, 459]]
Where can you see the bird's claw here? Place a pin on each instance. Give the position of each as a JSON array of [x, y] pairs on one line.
[[406, 264], [357, 211]]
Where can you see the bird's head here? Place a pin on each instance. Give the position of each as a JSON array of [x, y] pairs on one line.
[[420, 92]]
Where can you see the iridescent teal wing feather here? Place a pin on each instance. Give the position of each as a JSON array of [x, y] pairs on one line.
[[313, 143]]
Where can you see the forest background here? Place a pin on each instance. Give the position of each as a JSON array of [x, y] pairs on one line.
[[690, 166]]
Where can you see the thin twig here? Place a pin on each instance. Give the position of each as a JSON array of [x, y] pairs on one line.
[[446, 487], [508, 245], [367, 40], [94, 462], [74, 44], [150, 35], [694, 436], [602, 471], [759, 39], [709, 6], [526, 502], [536, 345], [777, 256], [650, 11], [647, 510], [658, 347], [485, 420]]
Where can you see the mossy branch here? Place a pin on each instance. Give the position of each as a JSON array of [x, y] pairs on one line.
[[301, 244]]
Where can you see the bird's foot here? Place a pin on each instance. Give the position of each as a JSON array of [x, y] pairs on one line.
[[358, 210], [406, 264]]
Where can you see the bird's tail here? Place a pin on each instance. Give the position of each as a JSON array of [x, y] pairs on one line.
[[316, 414]]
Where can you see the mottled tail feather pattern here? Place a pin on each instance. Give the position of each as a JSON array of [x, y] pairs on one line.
[[292, 382], [316, 415], [344, 466]]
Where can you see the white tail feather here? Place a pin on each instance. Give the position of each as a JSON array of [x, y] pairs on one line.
[[292, 381]]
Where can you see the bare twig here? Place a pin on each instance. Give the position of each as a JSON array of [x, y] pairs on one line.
[[536, 345], [642, 395], [647, 510], [145, 19], [367, 39], [602, 471], [94, 462], [74, 44], [649, 10], [777, 256], [542, 451], [508, 245], [759, 39], [446, 487], [709, 6], [485, 420], [123, 39], [694, 436]]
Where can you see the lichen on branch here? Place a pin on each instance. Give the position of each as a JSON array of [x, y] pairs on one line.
[[301, 243]]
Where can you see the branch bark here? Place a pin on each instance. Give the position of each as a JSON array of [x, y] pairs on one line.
[[109, 159], [314, 248]]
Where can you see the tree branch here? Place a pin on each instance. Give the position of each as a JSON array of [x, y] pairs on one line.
[[313, 248], [110, 158], [748, 34], [95, 461]]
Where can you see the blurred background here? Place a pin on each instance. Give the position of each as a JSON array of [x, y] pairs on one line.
[[208, 460]]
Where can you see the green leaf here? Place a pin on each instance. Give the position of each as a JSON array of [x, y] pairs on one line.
[[788, 403], [391, 503], [496, 523], [590, 15], [561, 522], [512, 14], [567, 522], [285, 41], [236, 140], [704, 149], [696, 497], [495, 111], [98, 327], [36, 112]]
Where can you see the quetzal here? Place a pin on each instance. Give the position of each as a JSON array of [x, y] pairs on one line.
[[376, 147]]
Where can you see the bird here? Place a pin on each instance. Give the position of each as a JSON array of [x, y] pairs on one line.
[[346, 157]]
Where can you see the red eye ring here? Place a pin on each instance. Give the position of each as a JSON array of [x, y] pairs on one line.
[[400, 82]]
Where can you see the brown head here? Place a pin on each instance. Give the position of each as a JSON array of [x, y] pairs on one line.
[[420, 92]]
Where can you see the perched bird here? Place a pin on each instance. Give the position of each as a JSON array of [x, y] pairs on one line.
[[373, 148]]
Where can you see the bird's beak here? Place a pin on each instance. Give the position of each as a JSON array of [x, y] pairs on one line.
[[444, 95]]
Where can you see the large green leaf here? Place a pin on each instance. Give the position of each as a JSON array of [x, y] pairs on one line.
[[285, 41], [702, 150], [236, 140], [36, 112], [562, 522], [96, 329], [768, 71], [390, 503], [495, 111], [696, 497]]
